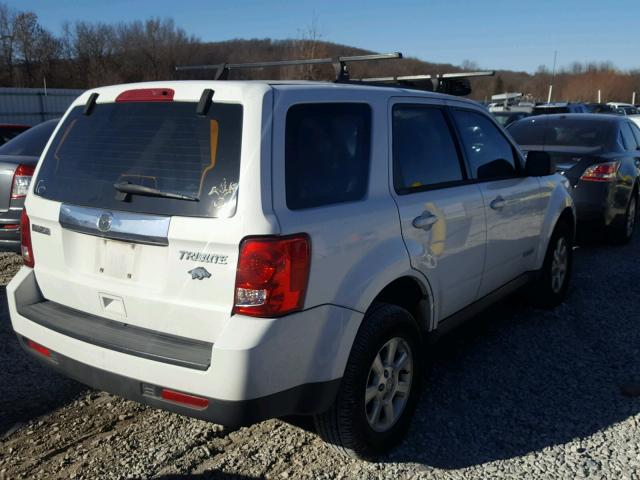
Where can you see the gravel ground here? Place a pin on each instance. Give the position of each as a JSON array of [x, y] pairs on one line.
[[517, 393]]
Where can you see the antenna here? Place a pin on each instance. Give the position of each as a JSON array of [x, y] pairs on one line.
[[339, 64]]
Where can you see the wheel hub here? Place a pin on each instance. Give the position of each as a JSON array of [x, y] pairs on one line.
[[388, 384]]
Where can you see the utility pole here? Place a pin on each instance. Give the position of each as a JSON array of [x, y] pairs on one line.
[[553, 75]]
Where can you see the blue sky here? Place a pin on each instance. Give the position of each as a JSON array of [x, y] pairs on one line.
[[515, 34]]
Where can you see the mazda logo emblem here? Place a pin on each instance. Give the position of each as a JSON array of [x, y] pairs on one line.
[[104, 222]]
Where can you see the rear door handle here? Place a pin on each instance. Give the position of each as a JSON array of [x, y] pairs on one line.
[[425, 221], [498, 203]]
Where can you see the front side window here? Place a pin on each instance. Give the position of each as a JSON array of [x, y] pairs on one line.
[[489, 153], [424, 152], [326, 154]]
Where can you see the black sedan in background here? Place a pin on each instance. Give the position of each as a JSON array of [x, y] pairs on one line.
[[600, 156], [18, 159]]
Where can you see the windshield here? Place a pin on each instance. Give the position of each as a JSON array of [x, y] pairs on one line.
[[164, 146], [561, 131], [31, 143]]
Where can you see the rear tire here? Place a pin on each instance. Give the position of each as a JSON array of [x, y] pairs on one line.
[[380, 386], [622, 233], [551, 287]]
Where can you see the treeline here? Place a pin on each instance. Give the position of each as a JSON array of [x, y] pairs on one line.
[[87, 54]]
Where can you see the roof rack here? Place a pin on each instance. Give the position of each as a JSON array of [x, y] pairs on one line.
[[339, 64], [452, 83]]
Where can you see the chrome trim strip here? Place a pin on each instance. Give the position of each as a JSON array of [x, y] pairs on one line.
[[125, 226]]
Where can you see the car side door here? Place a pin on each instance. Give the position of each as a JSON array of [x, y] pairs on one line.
[[441, 212], [514, 203]]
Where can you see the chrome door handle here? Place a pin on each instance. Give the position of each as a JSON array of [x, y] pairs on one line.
[[498, 203], [425, 221]]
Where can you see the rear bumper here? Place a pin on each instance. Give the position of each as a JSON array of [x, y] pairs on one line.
[[598, 203], [10, 237], [257, 368], [301, 400]]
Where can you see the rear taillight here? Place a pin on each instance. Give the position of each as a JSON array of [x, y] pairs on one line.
[[21, 181], [601, 172], [25, 239], [272, 275]]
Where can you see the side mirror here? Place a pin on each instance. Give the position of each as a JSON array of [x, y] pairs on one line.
[[539, 164]]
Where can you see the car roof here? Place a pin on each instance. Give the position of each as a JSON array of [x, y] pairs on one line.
[[286, 85]]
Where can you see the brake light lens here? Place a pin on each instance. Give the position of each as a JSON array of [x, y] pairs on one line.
[[25, 240], [601, 172], [146, 95], [21, 180], [272, 275], [184, 399]]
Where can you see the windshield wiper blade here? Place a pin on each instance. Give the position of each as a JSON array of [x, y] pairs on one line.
[[128, 188]]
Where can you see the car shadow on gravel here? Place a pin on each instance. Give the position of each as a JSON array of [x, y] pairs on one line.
[[516, 380], [27, 389]]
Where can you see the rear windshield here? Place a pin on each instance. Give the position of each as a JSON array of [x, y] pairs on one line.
[[164, 146], [561, 132], [30, 143]]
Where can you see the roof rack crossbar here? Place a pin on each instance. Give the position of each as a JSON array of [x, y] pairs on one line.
[[487, 73], [339, 63]]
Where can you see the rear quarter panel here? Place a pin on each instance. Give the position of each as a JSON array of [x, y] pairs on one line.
[[356, 248]]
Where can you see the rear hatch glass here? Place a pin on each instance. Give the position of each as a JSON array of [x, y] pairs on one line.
[[164, 146]]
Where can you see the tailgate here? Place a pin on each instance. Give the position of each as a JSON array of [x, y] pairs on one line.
[[135, 210], [181, 284]]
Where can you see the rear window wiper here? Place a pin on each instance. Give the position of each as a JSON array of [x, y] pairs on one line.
[[127, 188]]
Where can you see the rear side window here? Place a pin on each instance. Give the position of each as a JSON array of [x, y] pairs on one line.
[[424, 153], [628, 137], [326, 154], [489, 153], [163, 145]]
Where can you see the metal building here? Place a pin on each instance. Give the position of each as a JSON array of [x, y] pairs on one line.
[[30, 106]]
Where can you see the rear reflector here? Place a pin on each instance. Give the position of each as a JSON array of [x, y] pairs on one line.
[[39, 348], [146, 95], [10, 226], [184, 399]]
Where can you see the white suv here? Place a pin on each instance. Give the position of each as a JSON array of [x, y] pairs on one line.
[[236, 251]]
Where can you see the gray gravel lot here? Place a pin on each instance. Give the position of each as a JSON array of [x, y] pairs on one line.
[[518, 393]]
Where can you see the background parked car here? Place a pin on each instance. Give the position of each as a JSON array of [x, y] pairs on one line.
[[600, 108], [18, 159], [507, 117], [559, 107], [600, 156], [8, 131]]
